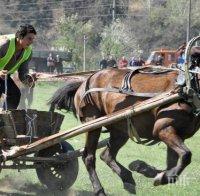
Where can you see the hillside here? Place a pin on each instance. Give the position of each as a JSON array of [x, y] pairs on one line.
[[152, 24]]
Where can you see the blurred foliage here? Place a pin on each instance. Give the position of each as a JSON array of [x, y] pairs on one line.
[[117, 40], [70, 37], [140, 25]]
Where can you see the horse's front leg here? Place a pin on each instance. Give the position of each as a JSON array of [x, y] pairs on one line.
[[173, 141], [89, 160], [117, 140]]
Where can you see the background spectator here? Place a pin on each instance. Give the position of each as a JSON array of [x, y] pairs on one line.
[[103, 63], [111, 62], [181, 58], [140, 62], [160, 60], [132, 62], [122, 63], [181, 54], [135, 63], [58, 64], [50, 63]]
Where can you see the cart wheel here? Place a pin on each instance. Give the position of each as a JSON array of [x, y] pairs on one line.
[[57, 176]]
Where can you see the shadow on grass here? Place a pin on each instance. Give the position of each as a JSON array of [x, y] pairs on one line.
[[144, 168]]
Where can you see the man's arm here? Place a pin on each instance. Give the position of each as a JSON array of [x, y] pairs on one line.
[[4, 43], [3, 47], [24, 70]]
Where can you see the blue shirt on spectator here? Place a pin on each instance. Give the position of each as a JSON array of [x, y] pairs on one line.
[[181, 59]]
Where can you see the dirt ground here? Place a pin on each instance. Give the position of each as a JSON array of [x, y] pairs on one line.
[[11, 186]]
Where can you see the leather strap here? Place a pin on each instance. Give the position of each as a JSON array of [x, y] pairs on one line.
[[117, 90]]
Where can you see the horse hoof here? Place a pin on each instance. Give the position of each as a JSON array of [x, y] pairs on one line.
[[130, 187], [158, 179]]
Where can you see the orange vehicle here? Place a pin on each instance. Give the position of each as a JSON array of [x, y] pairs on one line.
[[165, 57]]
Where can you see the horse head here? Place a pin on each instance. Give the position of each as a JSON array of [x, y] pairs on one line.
[[195, 56]]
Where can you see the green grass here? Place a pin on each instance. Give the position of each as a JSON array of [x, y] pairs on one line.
[[26, 182]]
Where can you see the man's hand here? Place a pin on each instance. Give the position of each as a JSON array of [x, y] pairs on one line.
[[35, 76], [3, 74], [31, 79]]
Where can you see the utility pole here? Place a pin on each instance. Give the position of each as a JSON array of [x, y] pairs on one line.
[[189, 21], [149, 5], [113, 10], [84, 46]]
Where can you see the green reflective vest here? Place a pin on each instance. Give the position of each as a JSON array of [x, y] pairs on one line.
[[10, 52]]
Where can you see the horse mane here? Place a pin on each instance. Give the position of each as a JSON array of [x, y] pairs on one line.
[[63, 98]]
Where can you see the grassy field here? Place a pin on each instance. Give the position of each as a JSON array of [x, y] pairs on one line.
[[26, 183]]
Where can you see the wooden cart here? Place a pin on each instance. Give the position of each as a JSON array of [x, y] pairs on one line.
[[20, 127]]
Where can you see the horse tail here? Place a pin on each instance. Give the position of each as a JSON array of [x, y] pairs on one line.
[[63, 98]]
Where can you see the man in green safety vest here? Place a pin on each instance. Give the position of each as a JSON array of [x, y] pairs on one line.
[[15, 54]]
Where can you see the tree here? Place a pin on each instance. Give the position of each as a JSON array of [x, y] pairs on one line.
[[117, 39], [162, 23], [70, 33]]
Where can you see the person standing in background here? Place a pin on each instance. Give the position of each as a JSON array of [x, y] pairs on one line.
[[58, 64], [123, 63], [103, 63], [111, 61], [50, 63]]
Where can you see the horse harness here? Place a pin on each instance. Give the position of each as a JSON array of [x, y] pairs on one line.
[[127, 90], [125, 87]]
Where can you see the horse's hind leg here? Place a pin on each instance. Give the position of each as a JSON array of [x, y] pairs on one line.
[[173, 141], [89, 160], [172, 158], [150, 171], [117, 140]]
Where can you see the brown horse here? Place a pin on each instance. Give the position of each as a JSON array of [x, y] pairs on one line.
[[171, 123]]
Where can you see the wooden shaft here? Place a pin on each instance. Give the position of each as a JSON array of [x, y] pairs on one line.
[[83, 73], [147, 105]]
